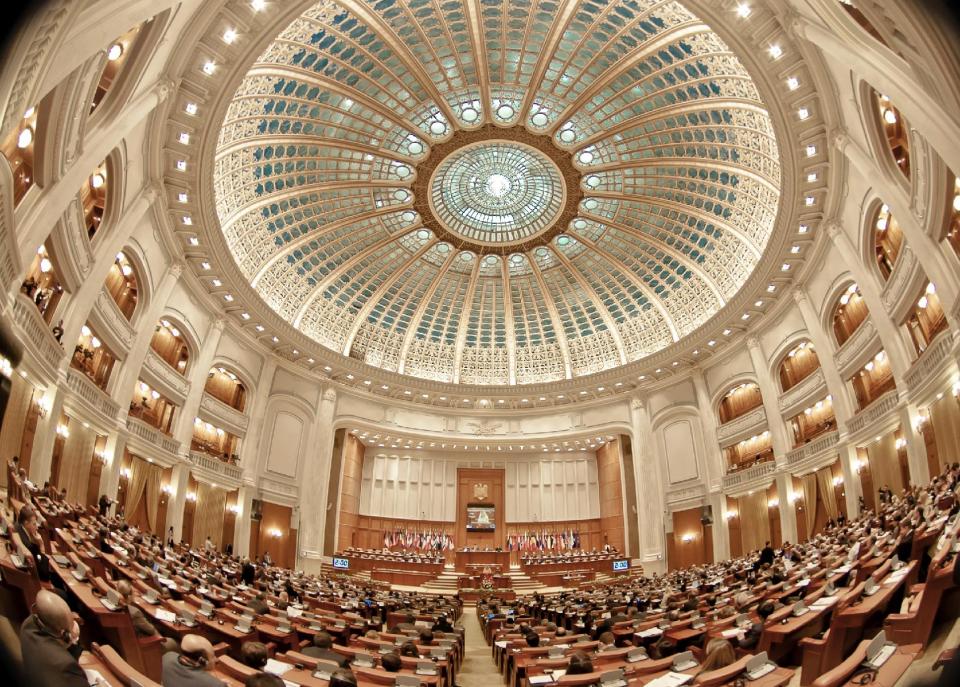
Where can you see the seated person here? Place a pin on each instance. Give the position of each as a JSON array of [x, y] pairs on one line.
[[580, 664], [533, 639], [442, 625], [391, 663], [254, 654], [141, 624], [323, 649], [193, 666], [719, 654], [409, 623], [663, 648], [409, 649], [258, 604], [49, 644], [607, 641], [263, 680], [752, 636]]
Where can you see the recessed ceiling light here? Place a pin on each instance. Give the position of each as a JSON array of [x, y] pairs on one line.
[[745, 316], [209, 67], [229, 36], [811, 150], [743, 10], [190, 108], [204, 265], [803, 113], [182, 165], [245, 315], [184, 138], [793, 83], [310, 360], [812, 177], [727, 332], [785, 267], [775, 51], [794, 249], [758, 304], [771, 288], [193, 241], [182, 197], [258, 5], [216, 283], [188, 220], [803, 229], [259, 327]]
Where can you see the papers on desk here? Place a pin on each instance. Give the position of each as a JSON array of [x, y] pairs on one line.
[[804, 582], [671, 679], [736, 632], [165, 615], [502, 644], [650, 632], [824, 602], [94, 677], [897, 575], [843, 569], [276, 667], [540, 679], [167, 582], [294, 612]]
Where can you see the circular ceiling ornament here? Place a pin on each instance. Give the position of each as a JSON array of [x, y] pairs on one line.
[[497, 195]]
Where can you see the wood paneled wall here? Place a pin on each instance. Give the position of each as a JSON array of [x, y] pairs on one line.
[[283, 549], [696, 551], [466, 479], [350, 530], [611, 495]]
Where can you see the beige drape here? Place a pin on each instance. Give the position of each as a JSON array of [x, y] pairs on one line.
[[809, 502], [153, 499], [136, 486], [755, 520], [14, 419], [75, 463], [828, 494], [208, 516], [945, 418], [884, 464], [143, 494]]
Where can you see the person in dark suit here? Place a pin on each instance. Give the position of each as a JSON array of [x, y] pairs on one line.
[[28, 530], [752, 636], [141, 624], [343, 678], [258, 604], [193, 666], [442, 625], [323, 648], [766, 555], [254, 654], [248, 573], [49, 643]]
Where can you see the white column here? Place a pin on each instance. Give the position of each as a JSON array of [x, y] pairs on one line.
[[179, 480], [82, 302], [721, 526], [931, 258], [34, 222], [788, 513], [241, 530], [649, 483], [916, 448], [779, 436], [852, 487], [199, 369], [130, 371], [41, 457], [314, 484], [843, 406], [250, 454], [889, 337], [113, 454], [715, 465]]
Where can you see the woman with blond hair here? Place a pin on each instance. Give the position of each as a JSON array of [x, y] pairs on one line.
[[720, 654]]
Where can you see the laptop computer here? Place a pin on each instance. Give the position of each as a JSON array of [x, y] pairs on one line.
[[799, 609], [439, 652], [363, 661], [283, 626], [111, 600], [151, 596], [243, 624], [613, 678], [870, 587], [554, 652], [683, 661], [879, 651], [758, 666], [206, 609], [61, 560]]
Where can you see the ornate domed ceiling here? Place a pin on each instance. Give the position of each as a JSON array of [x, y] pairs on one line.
[[497, 192]]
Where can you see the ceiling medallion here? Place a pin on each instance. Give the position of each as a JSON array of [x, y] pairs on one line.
[[495, 190]]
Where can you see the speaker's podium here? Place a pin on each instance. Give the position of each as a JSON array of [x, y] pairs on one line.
[[470, 559]]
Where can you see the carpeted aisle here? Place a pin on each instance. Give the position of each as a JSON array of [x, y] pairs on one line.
[[478, 669]]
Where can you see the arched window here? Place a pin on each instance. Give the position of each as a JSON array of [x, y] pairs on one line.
[[895, 132], [92, 357], [123, 286], [739, 400], [17, 148], [756, 449], [873, 380], [118, 55], [42, 284], [888, 240], [93, 198], [813, 421], [953, 231], [214, 441], [798, 364], [849, 314], [169, 344], [152, 407], [225, 386], [926, 320]]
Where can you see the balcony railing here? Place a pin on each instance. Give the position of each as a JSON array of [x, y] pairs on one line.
[[815, 448], [757, 473], [36, 332], [873, 412], [96, 397], [152, 435], [219, 467], [929, 361], [802, 391], [220, 411], [742, 425]]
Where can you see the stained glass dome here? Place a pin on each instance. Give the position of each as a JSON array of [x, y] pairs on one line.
[[497, 192]]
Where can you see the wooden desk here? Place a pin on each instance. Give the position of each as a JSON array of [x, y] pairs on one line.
[[482, 558]]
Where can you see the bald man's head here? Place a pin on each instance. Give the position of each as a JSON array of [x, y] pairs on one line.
[[125, 590], [53, 612], [198, 650]]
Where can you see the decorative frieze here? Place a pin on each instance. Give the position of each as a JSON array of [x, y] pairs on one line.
[[853, 347], [816, 448], [112, 319], [807, 390], [896, 291], [72, 246], [743, 425]]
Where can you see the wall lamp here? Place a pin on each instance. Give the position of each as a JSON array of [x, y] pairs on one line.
[[275, 533], [192, 496]]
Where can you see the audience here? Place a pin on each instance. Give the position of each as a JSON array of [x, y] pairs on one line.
[[719, 654], [254, 654]]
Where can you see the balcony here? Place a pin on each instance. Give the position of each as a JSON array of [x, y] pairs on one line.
[[222, 415], [797, 396], [216, 466], [753, 422], [164, 378], [152, 435], [110, 322], [95, 397], [36, 335], [873, 412], [757, 476], [815, 449], [929, 362], [854, 348]]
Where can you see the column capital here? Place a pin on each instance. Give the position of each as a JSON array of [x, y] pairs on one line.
[[638, 403], [753, 343], [839, 138], [175, 269], [218, 324], [329, 394], [800, 296]]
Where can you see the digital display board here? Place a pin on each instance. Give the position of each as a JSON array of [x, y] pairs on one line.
[[341, 563], [619, 566], [480, 518]]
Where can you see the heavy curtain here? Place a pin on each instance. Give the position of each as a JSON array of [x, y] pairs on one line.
[[136, 487], [14, 420], [945, 417], [153, 499], [828, 494], [809, 502], [884, 464], [143, 495], [755, 516], [208, 516], [75, 462]]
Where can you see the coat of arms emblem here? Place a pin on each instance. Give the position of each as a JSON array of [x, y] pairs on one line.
[[480, 491]]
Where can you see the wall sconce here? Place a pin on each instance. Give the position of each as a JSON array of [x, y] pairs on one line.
[[125, 473], [234, 508], [773, 503], [919, 423], [900, 443], [837, 481], [730, 514], [688, 537], [794, 497], [101, 456], [275, 533], [192, 496], [861, 464], [44, 405], [6, 369], [956, 389], [168, 489], [62, 431]]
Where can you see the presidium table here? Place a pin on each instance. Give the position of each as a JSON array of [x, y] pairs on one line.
[[471, 559]]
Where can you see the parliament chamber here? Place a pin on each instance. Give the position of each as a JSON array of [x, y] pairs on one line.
[[478, 343]]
